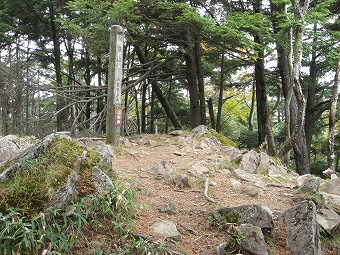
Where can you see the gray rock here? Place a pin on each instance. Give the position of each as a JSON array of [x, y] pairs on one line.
[[310, 185], [102, 181], [11, 145], [267, 166], [125, 142], [252, 191], [301, 179], [199, 168], [329, 221], [162, 169], [328, 172], [182, 181], [31, 153], [252, 240], [249, 162], [167, 229], [176, 133], [257, 215], [249, 177], [331, 201], [106, 153], [331, 187], [235, 183], [168, 208], [232, 152], [309, 191], [199, 131], [66, 194], [302, 229]]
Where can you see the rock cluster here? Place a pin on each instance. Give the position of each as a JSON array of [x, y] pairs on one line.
[[66, 194]]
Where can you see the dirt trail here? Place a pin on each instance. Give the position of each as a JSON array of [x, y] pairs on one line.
[[192, 219]]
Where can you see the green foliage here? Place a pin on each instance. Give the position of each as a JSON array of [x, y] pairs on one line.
[[59, 231], [224, 140]]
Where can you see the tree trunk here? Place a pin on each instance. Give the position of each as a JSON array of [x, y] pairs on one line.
[[211, 113], [87, 77], [62, 113], [265, 134], [143, 110], [166, 106], [289, 67], [310, 105], [332, 120], [220, 95], [162, 99], [191, 72], [200, 79], [252, 109]]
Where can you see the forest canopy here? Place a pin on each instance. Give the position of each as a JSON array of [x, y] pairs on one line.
[[265, 74]]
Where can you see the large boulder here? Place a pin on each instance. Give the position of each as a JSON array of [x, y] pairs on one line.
[[302, 229], [256, 215], [11, 146], [9, 168]]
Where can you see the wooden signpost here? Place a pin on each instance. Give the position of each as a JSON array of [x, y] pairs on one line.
[[114, 111]]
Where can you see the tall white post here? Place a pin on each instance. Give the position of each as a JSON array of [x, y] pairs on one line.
[[114, 110]]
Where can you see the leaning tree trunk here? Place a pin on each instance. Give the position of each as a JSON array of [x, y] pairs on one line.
[[332, 120], [162, 99]]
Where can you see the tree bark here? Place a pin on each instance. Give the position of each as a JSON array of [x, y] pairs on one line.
[[162, 99], [191, 74], [61, 103], [211, 113], [252, 108], [200, 79], [289, 63], [220, 94], [332, 120], [310, 105]]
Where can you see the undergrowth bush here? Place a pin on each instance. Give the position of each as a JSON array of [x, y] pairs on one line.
[[66, 232]]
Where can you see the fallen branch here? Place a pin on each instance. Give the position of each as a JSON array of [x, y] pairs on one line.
[[206, 189]]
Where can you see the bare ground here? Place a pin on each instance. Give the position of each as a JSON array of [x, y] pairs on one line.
[[193, 218]]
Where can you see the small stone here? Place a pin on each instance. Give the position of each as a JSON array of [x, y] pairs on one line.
[[199, 168], [168, 208], [252, 191], [182, 181], [167, 229], [235, 183]]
